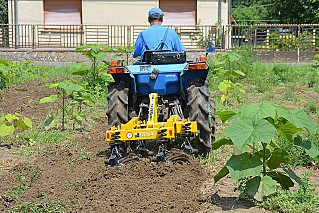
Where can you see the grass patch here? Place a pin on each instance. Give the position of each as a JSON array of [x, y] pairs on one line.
[[38, 208], [300, 200], [36, 141], [26, 71]]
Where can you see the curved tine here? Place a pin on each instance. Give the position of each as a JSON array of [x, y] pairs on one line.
[[179, 158], [176, 155], [130, 159]]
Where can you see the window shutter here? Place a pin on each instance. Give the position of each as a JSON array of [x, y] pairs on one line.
[[179, 12], [61, 12]]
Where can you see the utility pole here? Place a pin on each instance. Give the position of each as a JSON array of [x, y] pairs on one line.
[[16, 27], [219, 10]]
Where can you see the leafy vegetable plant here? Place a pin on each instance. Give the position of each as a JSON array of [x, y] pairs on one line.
[[10, 122], [72, 95], [262, 162], [95, 76], [225, 64]]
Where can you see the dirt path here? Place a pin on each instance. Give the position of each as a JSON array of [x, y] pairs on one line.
[[73, 173]]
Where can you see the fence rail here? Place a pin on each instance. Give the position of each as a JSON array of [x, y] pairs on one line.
[[256, 37]]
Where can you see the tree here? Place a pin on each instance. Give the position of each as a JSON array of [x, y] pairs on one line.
[[251, 11], [270, 11], [3, 11], [296, 11]]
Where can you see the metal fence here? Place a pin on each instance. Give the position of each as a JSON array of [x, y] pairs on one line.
[[70, 36], [255, 37], [274, 37]]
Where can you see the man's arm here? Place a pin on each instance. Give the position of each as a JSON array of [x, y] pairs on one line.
[[138, 47]]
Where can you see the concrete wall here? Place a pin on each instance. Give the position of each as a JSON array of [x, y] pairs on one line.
[[207, 12], [119, 12], [29, 12]]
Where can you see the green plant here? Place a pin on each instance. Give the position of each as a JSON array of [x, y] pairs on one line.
[[9, 123], [300, 200], [38, 208], [253, 133], [77, 96], [71, 184], [4, 68], [17, 190], [124, 51], [95, 76], [228, 66]]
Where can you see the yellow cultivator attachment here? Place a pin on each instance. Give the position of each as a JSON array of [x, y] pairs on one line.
[[137, 131]]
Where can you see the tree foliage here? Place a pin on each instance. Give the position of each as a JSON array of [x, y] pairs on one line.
[[296, 11], [277, 11], [3, 11]]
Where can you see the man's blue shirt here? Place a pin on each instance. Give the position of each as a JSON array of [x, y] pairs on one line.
[[153, 37]]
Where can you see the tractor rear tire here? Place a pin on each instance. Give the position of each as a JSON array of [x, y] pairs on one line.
[[201, 109], [117, 98]]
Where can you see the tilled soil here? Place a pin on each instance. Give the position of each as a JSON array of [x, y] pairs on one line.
[[73, 173]]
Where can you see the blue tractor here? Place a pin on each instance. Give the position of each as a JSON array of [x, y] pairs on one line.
[[162, 102]]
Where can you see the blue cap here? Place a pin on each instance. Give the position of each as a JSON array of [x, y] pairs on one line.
[[155, 13]]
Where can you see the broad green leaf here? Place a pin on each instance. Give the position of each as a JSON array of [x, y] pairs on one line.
[[21, 125], [244, 165], [70, 87], [87, 97], [259, 111], [310, 148], [294, 176], [222, 173], [12, 117], [99, 55], [259, 188], [239, 72], [6, 129], [278, 156], [80, 72], [288, 130], [27, 122], [224, 85], [226, 115], [49, 99], [298, 118], [234, 57], [49, 119], [282, 179], [52, 86], [221, 142], [244, 131]]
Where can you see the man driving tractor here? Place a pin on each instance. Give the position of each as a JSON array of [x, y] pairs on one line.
[[157, 37]]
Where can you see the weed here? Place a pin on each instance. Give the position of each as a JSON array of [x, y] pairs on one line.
[[84, 155], [290, 96], [208, 160], [38, 208], [300, 200], [17, 190], [71, 184], [311, 107]]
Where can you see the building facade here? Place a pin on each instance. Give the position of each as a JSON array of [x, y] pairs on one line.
[[117, 12]]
